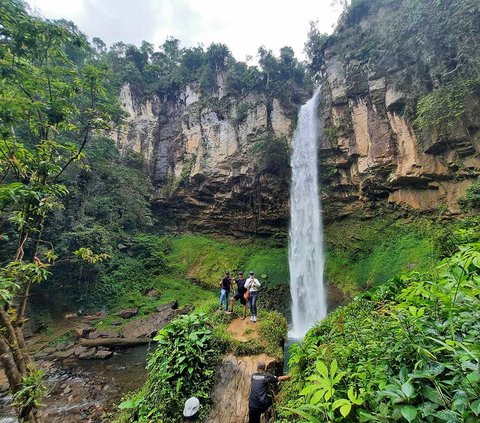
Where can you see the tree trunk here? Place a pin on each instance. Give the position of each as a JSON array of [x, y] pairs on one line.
[[113, 342]]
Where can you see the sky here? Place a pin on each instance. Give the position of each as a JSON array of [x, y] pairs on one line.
[[243, 25]]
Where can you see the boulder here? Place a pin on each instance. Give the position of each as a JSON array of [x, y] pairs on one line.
[[148, 326], [88, 353], [83, 332], [79, 350], [66, 353], [103, 354], [128, 313], [152, 293], [169, 306]]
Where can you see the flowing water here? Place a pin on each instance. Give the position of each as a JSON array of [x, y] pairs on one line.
[[306, 260]]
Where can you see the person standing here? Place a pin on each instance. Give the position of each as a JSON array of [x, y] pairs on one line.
[[240, 295], [225, 284], [253, 286], [261, 395]]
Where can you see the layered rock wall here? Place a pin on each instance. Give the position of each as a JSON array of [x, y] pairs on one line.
[[370, 153], [199, 153], [205, 169]]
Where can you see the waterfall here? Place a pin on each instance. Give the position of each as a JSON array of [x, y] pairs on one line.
[[305, 253]]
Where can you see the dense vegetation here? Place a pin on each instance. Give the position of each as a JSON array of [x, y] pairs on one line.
[[405, 351], [184, 363], [54, 101], [433, 43]]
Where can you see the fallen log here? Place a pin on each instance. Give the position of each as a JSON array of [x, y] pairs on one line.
[[113, 342]]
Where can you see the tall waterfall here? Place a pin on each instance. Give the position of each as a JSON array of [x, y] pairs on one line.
[[305, 255]]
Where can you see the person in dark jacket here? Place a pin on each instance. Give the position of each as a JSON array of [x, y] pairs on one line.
[[261, 399], [240, 295], [225, 284]]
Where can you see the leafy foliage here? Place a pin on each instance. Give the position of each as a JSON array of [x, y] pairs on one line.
[[406, 351], [182, 366]]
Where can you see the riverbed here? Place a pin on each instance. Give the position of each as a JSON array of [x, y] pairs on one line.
[[86, 390]]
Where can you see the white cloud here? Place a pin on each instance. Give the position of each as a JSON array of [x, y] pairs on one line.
[[242, 25]]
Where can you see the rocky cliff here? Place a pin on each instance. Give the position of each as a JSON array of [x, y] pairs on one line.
[[208, 158], [371, 154], [203, 162]]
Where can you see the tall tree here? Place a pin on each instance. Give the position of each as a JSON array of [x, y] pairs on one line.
[[49, 108]]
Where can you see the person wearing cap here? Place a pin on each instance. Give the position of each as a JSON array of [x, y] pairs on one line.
[[261, 395], [253, 286], [240, 295], [225, 290], [190, 411]]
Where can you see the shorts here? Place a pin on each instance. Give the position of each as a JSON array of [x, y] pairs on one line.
[[240, 297]]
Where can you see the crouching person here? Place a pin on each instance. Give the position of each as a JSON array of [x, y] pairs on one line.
[[261, 395]]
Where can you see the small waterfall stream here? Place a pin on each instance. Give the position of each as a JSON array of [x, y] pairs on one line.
[[305, 255]]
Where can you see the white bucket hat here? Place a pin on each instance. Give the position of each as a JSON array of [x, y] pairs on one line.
[[192, 405]]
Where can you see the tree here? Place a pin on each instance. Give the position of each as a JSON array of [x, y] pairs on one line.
[[50, 106]]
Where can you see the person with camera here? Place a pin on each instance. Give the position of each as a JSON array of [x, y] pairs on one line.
[[253, 287]]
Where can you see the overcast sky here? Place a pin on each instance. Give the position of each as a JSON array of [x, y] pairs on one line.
[[244, 25]]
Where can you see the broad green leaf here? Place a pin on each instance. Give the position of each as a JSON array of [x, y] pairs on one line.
[[409, 412]]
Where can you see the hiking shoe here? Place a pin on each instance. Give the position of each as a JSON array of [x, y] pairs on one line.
[[251, 318], [254, 319]]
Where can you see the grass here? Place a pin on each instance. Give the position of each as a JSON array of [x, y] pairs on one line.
[[363, 254]]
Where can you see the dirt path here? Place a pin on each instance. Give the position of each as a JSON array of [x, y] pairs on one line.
[[243, 330]]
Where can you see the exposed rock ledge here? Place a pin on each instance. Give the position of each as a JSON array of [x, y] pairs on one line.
[[232, 388]]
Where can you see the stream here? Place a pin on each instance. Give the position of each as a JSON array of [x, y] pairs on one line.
[[84, 390]]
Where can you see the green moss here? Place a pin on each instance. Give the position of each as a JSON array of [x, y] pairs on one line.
[[362, 254]]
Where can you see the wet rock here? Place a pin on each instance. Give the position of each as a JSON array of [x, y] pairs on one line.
[[88, 353], [103, 354], [128, 313], [66, 353], [67, 390], [79, 350]]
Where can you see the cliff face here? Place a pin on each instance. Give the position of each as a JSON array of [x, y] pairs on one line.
[[202, 160], [370, 153], [207, 155]]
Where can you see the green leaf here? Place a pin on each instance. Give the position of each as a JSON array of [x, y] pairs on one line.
[[345, 409], [475, 407], [409, 412], [408, 389]]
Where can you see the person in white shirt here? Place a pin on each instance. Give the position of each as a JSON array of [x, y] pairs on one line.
[[253, 286]]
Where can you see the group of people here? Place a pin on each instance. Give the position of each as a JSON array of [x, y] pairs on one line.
[[247, 291], [259, 401]]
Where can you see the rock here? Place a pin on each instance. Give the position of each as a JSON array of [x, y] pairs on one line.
[[152, 293], [67, 390], [49, 350], [116, 323], [169, 306], [83, 332], [78, 350], [106, 334], [65, 354], [128, 313], [88, 353], [148, 326], [103, 354]]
